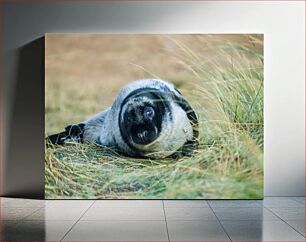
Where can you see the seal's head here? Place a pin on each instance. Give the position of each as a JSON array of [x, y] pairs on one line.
[[141, 117]]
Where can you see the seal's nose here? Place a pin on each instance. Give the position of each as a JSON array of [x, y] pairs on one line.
[[143, 135]]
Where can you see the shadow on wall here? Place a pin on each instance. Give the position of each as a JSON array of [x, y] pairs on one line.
[[26, 134], [33, 230]]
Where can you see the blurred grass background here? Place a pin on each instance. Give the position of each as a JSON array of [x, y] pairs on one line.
[[220, 75]]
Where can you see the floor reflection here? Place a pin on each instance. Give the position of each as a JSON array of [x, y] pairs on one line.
[[71, 220]]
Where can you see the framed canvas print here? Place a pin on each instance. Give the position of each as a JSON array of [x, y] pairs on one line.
[[154, 116]]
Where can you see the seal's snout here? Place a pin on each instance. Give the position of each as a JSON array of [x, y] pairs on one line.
[[143, 134]]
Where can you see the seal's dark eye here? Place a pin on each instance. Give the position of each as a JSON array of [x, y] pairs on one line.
[[129, 119], [148, 112]]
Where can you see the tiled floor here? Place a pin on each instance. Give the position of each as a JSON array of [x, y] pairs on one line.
[[273, 219]]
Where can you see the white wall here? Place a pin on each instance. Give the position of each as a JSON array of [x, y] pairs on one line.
[[283, 25]]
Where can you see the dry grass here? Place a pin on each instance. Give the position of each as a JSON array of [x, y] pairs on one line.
[[221, 76]]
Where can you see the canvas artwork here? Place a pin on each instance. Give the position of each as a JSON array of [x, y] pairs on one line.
[[151, 116]]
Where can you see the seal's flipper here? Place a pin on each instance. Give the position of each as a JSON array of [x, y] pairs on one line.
[[57, 139], [73, 133]]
